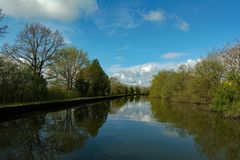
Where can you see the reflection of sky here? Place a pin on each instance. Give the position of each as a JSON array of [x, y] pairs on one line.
[[137, 111]]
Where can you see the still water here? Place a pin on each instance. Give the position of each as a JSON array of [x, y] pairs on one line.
[[128, 128]]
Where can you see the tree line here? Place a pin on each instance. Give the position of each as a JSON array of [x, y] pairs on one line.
[[40, 66], [215, 80]]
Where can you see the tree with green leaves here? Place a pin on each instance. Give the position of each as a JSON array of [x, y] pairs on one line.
[[35, 47], [68, 63], [208, 74], [131, 90], [95, 78], [137, 90], [117, 87]]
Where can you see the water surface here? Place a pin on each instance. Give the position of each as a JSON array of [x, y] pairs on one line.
[[127, 128]]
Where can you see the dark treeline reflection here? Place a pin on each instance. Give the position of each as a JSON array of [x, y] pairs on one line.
[[48, 136], [216, 137]]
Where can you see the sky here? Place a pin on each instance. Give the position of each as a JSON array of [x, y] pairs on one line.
[[133, 39]]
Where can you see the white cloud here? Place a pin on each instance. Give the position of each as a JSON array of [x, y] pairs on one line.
[[122, 19], [139, 74], [143, 74], [184, 26], [191, 62], [116, 23], [125, 47], [119, 58], [154, 16], [50, 9], [171, 55]]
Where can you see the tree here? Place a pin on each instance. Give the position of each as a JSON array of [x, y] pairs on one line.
[[95, 78], [131, 90], [137, 90], [231, 59], [207, 76], [3, 28], [14, 81], [35, 47], [117, 87], [68, 62]]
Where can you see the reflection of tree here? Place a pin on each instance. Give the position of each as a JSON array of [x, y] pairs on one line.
[[117, 104], [92, 118], [24, 139], [216, 137], [49, 136]]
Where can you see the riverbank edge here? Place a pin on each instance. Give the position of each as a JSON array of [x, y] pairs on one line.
[[232, 113], [15, 111], [62, 102]]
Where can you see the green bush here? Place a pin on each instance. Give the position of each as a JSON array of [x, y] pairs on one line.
[[225, 97]]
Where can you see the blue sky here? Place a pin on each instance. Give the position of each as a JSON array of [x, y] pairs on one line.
[[132, 38]]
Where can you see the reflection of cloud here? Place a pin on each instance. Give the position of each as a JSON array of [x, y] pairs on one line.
[[139, 111], [172, 134]]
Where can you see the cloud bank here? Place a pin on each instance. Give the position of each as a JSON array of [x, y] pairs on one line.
[[65, 10], [143, 74]]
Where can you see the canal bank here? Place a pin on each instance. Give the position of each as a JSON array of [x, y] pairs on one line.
[[24, 109]]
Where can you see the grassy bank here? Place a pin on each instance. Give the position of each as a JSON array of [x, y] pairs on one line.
[[14, 111], [62, 101]]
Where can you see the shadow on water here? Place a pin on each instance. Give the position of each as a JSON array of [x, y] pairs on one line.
[[49, 135], [216, 137]]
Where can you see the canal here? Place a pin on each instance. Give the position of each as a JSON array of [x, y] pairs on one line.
[[127, 128]]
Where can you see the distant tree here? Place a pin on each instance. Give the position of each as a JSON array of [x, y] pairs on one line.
[[117, 87], [68, 62], [131, 90], [95, 78], [137, 90], [3, 28]]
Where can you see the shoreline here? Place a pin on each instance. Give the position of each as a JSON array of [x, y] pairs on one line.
[[13, 111]]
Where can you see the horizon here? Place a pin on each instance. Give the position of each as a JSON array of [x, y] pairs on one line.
[[133, 40]]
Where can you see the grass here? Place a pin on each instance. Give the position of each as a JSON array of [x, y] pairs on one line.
[[49, 102]]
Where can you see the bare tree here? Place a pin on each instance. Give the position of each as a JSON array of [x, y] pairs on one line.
[[35, 47], [3, 28]]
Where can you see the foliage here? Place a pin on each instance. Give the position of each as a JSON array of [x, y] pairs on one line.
[[225, 96], [68, 62], [215, 79], [36, 67], [95, 78], [131, 90], [17, 83]]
